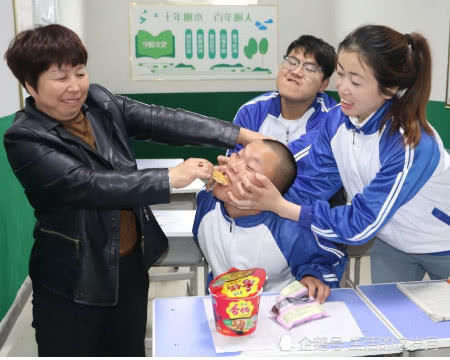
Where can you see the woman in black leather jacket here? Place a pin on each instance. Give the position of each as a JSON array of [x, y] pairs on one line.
[[95, 234]]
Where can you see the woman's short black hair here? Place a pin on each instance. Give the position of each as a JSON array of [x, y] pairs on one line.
[[33, 51]]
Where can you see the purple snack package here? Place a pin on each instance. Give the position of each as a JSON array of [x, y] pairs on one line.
[[294, 306]]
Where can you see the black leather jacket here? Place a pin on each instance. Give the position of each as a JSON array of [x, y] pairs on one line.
[[77, 191]]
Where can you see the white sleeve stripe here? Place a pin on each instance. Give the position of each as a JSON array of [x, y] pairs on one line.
[[323, 232], [257, 99], [387, 205], [302, 153], [331, 279], [390, 201], [336, 252], [328, 276]]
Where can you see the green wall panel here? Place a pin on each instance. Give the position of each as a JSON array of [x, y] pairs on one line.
[[224, 105], [439, 116], [220, 105], [16, 229]]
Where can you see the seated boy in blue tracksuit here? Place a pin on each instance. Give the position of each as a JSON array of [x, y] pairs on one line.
[[231, 237]]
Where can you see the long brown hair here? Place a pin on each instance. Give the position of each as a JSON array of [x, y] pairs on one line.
[[400, 61]]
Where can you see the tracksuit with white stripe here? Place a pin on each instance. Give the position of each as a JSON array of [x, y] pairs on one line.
[[263, 114], [264, 240], [399, 193]]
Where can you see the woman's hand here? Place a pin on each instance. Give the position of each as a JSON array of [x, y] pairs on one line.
[[316, 288], [185, 173]]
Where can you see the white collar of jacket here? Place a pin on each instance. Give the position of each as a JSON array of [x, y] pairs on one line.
[[372, 123]]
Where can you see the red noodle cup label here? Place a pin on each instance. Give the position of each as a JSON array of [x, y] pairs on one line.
[[239, 309], [241, 288], [236, 317]]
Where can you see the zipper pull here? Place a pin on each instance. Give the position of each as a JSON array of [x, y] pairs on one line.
[[287, 136], [145, 213], [354, 136], [77, 246], [231, 225]]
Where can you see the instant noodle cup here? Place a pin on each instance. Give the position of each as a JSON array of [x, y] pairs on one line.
[[235, 299]]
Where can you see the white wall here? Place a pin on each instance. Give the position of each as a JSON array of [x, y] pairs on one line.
[[106, 30], [9, 86], [431, 18], [72, 15], [103, 25]]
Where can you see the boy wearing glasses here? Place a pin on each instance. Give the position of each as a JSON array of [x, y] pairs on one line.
[[292, 115], [300, 103]]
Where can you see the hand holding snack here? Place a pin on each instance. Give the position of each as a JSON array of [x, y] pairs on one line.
[[189, 170]]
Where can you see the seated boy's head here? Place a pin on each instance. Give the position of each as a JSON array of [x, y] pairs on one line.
[[267, 157]]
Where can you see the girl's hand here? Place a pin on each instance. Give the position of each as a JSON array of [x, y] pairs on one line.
[[256, 194], [222, 160], [261, 194]]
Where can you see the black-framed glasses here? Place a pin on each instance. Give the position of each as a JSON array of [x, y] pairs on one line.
[[292, 63]]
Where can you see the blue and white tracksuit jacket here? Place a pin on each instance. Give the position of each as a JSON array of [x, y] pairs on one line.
[[305, 190], [400, 193], [266, 241], [262, 114]]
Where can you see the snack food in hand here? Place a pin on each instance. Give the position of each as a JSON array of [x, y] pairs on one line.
[[220, 178]]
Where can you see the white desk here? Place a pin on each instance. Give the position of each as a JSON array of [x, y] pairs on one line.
[[188, 194], [182, 251], [157, 163], [176, 223], [180, 328]]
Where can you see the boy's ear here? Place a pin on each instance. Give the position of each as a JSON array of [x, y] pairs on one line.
[[324, 85]]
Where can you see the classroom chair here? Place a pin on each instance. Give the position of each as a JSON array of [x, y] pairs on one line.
[[355, 252], [182, 252]]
